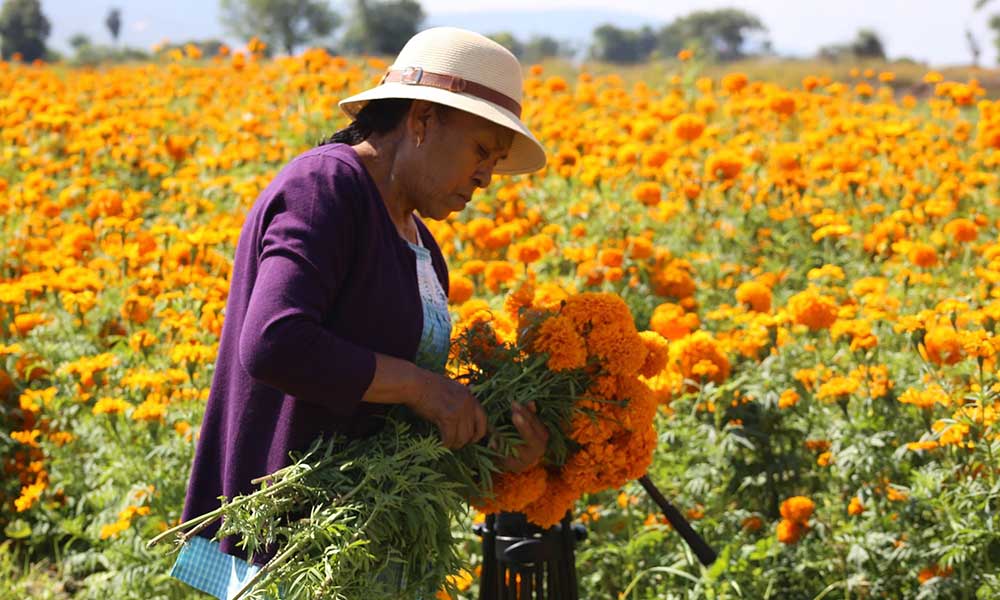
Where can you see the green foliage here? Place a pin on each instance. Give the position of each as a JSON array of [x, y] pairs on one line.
[[285, 24], [348, 516], [382, 27], [23, 29]]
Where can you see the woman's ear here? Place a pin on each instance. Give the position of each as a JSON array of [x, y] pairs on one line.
[[418, 120]]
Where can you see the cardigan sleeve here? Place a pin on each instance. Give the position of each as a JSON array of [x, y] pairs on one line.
[[306, 250]]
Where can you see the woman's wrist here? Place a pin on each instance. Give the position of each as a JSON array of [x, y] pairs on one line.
[[396, 381]]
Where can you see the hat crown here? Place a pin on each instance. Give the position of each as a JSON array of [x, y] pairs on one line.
[[465, 54]]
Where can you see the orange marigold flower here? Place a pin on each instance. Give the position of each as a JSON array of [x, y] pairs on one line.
[[514, 491], [943, 345], [640, 248], [855, 508], [551, 506], [687, 127], [962, 230], [659, 353], [566, 348], [922, 255], [724, 165], [672, 321], [797, 509], [812, 309], [788, 399], [694, 353], [752, 523], [648, 193], [734, 82], [672, 279], [928, 573], [790, 532], [460, 289], [754, 294]]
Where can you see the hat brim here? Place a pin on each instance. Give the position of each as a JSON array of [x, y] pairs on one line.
[[526, 153]]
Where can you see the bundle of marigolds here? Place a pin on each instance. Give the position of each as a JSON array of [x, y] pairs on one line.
[[372, 518]]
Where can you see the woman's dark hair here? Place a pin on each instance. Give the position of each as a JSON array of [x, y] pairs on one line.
[[377, 116]]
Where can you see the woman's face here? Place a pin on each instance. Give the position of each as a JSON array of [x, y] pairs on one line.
[[450, 153]]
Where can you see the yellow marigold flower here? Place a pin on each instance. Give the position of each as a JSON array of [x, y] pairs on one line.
[[113, 529], [824, 459], [149, 410], [28, 437], [755, 295], [110, 406], [837, 387], [29, 495], [812, 309], [926, 399], [685, 55]]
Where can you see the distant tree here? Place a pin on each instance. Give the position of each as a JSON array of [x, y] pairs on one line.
[[995, 26], [613, 44], [720, 32], [540, 47], [867, 44], [80, 40], [286, 24], [382, 27], [114, 23], [23, 29], [974, 48], [508, 41]]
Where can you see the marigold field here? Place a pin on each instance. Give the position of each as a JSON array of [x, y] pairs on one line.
[[823, 260]]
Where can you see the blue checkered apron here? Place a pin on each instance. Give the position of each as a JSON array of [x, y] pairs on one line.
[[202, 565]]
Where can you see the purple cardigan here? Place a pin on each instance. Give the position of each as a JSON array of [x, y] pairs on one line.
[[321, 281]]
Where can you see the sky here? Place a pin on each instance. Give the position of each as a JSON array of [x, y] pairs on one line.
[[931, 31]]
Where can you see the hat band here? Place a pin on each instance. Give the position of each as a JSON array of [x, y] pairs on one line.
[[417, 76]]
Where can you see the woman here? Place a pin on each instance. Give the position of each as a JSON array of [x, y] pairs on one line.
[[337, 306]]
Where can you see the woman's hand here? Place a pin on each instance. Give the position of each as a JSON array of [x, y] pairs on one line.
[[451, 407], [534, 434]]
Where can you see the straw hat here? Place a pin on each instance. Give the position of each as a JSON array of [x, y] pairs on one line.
[[464, 70]]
